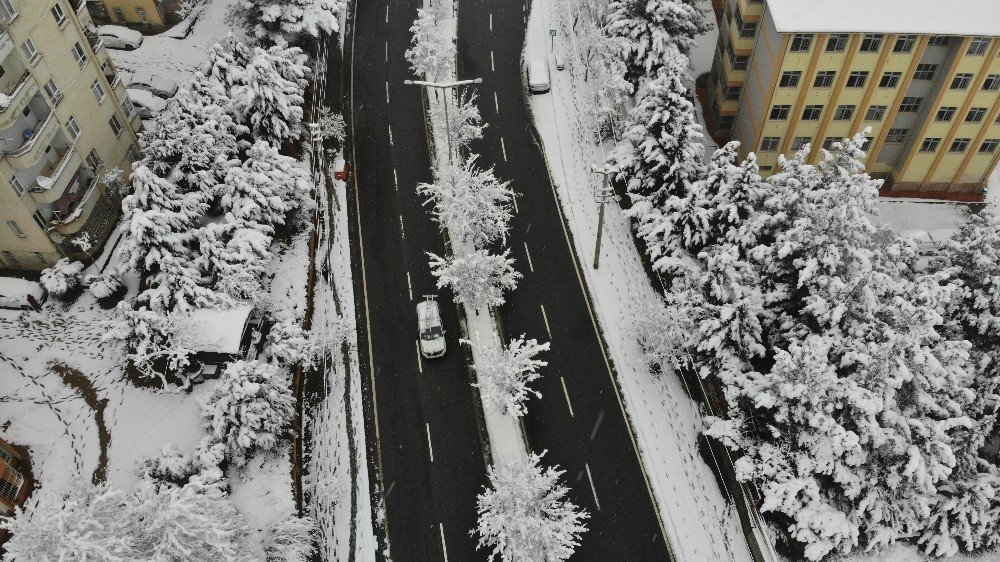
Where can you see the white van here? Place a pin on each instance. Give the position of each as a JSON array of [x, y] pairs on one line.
[[19, 293], [431, 329], [538, 76]]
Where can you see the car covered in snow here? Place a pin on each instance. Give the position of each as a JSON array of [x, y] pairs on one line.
[[21, 293], [149, 106], [431, 329], [538, 76], [118, 37], [156, 85]]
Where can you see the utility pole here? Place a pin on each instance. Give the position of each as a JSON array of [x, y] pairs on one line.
[[447, 87], [603, 196]]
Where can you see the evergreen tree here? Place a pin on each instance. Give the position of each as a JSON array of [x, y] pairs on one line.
[[278, 22], [269, 95]]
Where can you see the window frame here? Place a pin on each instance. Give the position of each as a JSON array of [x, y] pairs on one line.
[[925, 73], [904, 44], [840, 45], [991, 83], [116, 125], [812, 112], [896, 135], [79, 54], [959, 145], [73, 126], [871, 43], [792, 76], [765, 144], [892, 77], [930, 144], [978, 46], [910, 101], [59, 14], [839, 112], [961, 81], [12, 224], [784, 109], [98, 90], [989, 146], [879, 109], [945, 114], [30, 50], [800, 43], [976, 114], [825, 75], [799, 142], [854, 77]]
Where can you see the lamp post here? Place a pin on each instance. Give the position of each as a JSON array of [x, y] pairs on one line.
[[447, 87], [603, 196]]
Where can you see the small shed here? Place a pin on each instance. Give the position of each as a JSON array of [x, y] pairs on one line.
[[218, 336]]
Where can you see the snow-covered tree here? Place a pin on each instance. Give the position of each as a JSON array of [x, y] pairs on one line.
[[667, 332], [270, 93], [504, 374], [470, 202], [156, 348], [432, 55], [291, 539], [289, 21], [62, 277], [524, 514], [478, 279], [104, 285], [265, 188], [288, 344], [463, 117], [249, 409], [654, 33]]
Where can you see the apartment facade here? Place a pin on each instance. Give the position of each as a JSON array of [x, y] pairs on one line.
[[65, 121], [143, 13], [924, 76]]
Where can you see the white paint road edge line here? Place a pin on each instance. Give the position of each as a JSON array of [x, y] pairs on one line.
[[593, 490], [444, 547], [430, 447], [566, 394]]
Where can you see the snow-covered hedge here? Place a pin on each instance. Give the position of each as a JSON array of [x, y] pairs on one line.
[[62, 277]]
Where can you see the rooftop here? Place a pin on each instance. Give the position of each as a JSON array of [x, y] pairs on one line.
[[922, 17]]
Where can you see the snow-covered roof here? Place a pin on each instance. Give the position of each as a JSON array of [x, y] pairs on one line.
[[215, 330], [924, 17], [15, 291]]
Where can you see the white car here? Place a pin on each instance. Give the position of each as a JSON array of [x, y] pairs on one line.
[[538, 76], [149, 106], [432, 342], [118, 37], [157, 85]]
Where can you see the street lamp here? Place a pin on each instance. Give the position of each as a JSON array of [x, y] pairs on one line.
[[447, 87], [606, 194]]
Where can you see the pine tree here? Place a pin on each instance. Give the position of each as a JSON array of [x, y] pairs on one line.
[[279, 22], [524, 514], [264, 189], [270, 94]]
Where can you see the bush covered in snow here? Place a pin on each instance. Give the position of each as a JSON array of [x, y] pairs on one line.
[[288, 344], [103, 286], [292, 539], [249, 409], [62, 277], [524, 514]]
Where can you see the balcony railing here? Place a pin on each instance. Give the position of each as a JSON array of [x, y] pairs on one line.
[[73, 207], [52, 180], [78, 5]]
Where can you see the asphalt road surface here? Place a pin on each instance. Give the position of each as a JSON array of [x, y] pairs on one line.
[[424, 439], [579, 420]]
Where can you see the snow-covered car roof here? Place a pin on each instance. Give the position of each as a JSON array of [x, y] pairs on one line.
[[215, 330], [146, 77], [147, 99], [931, 17], [120, 32], [14, 291]]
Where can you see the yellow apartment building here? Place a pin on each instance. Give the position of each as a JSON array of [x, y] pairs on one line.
[[65, 121], [140, 13], [924, 75]]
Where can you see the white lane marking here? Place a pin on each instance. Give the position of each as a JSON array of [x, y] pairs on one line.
[[430, 447], [395, 179], [387, 92], [527, 253], [496, 102], [444, 547], [386, 13], [491, 22], [402, 230], [420, 364], [409, 285], [513, 198], [566, 394], [593, 490], [390, 136], [386, 51], [597, 425], [546, 318], [493, 66], [503, 147]]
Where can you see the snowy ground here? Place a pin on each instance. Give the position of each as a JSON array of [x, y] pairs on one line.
[[667, 423]]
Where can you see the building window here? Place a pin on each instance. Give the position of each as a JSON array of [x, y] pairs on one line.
[[945, 113], [925, 71], [98, 91], [875, 113], [79, 55], [7, 10], [890, 79], [73, 127], [780, 112], [738, 62], [978, 46], [17, 186], [52, 91], [769, 144], [871, 43], [9, 258], [94, 161], [959, 145], [116, 125], [843, 113], [132, 156], [790, 79], [857, 79], [40, 258], [59, 14], [837, 43], [799, 142], [119, 15], [767, 168], [39, 219], [992, 83], [29, 49], [801, 42], [746, 28], [961, 81], [904, 43], [939, 41], [141, 12], [828, 142], [930, 144], [910, 104], [129, 108], [812, 112], [725, 122], [975, 115], [17, 229], [896, 135], [989, 146], [824, 79]]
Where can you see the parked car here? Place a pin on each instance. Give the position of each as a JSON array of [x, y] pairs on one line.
[[148, 105], [118, 37], [538, 76], [156, 85], [560, 62], [432, 342], [21, 294]]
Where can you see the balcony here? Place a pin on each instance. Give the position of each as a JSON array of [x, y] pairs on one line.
[[54, 178], [72, 211], [31, 150], [18, 91], [95, 40], [6, 45], [78, 5]]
